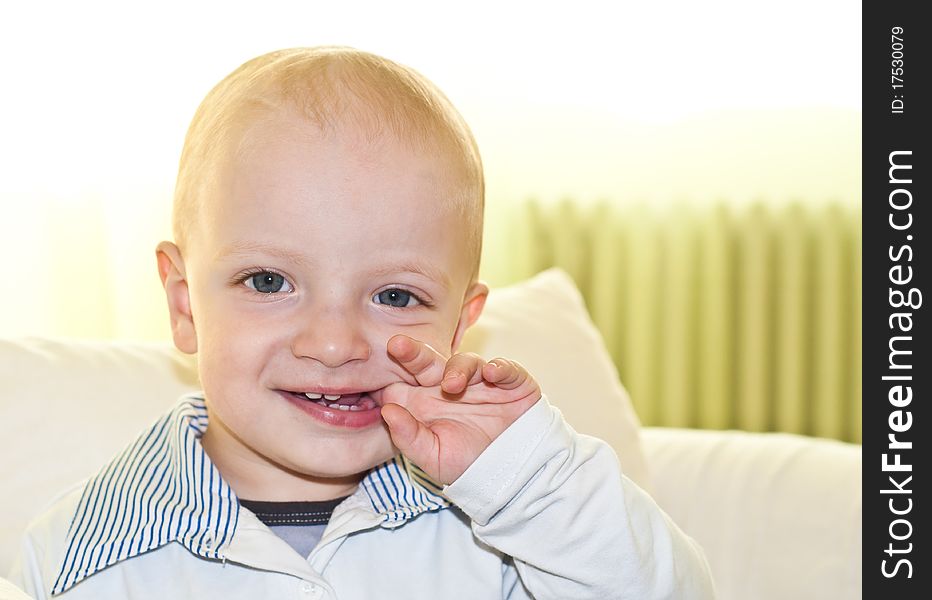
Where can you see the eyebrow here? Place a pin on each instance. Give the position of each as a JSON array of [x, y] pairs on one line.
[[424, 270], [244, 248], [406, 266]]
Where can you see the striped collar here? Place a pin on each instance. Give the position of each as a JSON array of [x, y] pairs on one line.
[[163, 488]]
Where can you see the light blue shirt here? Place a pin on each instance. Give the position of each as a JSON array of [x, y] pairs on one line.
[[164, 488], [542, 513]]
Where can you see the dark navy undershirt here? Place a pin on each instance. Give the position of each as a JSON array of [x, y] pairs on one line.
[[300, 524]]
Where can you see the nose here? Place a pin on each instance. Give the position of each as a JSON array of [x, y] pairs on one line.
[[332, 339]]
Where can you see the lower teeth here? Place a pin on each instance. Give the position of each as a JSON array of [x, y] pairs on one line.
[[344, 407]]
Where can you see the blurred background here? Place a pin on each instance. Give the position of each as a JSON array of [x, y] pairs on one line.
[[694, 166]]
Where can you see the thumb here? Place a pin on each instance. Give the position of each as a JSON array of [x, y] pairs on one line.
[[409, 435]]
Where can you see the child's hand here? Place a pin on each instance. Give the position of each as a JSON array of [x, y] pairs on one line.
[[456, 407]]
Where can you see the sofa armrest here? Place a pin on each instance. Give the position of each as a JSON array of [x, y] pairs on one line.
[[778, 515]]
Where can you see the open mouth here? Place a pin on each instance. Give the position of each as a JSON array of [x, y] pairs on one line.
[[355, 402]]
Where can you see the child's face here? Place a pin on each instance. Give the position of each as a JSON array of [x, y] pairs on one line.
[[312, 253]]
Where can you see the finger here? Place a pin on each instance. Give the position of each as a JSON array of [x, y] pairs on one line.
[[505, 374], [461, 371], [410, 436], [417, 358]]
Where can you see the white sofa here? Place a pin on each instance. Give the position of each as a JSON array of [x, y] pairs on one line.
[[778, 515]]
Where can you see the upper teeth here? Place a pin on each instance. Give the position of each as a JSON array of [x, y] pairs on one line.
[[330, 397]]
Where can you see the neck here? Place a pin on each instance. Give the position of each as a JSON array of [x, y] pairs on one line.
[[256, 477]]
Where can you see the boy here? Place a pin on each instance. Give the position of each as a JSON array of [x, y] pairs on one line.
[[327, 226]]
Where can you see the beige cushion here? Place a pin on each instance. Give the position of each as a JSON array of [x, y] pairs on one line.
[[67, 406], [778, 515]]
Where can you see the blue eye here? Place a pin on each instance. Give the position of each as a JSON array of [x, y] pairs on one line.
[[397, 298], [267, 282]]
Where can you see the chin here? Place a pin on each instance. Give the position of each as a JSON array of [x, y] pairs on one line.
[[341, 465]]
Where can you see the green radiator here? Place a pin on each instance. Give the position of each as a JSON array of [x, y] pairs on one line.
[[717, 316]]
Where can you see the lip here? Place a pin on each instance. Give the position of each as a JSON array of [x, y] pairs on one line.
[[360, 419]]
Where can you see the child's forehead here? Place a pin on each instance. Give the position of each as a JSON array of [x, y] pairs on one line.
[[298, 180], [283, 149]]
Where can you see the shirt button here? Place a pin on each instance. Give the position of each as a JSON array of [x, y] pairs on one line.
[[311, 590]]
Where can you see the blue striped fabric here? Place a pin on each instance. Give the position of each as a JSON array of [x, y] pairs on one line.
[[163, 488], [399, 490]]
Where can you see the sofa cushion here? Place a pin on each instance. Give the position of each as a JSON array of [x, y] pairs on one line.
[[778, 515]]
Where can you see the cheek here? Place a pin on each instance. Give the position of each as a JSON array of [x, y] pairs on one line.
[[233, 351], [437, 334], [447, 326]]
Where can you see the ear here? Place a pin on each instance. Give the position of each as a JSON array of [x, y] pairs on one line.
[[174, 280], [473, 304]]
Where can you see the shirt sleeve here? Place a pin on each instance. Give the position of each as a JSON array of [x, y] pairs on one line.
[[558, 503], [26, 573], [43, 545]]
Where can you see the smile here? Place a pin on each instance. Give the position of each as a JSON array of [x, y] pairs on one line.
[[342, 408], [348, 402]]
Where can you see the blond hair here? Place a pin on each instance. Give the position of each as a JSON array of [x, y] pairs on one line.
[[333, 87]]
